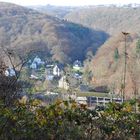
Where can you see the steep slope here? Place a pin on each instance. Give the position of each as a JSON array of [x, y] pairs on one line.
[[108, 65], [26, 30], [109, 19]]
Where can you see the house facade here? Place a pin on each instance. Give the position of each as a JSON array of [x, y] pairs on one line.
[[36, 62], [63, 83], [57, 70], [10, 72]]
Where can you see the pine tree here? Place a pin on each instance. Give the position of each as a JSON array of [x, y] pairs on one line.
[[116, 54], [138, 48]]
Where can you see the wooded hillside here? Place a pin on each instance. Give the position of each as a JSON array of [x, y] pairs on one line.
[[26, 30], [109, 19], [108, 64]]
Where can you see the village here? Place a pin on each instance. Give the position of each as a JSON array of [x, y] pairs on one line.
[[54, 72], [60, 82]]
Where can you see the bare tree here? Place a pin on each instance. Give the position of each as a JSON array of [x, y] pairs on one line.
[[125, 63], [10, 87], [134, 70]]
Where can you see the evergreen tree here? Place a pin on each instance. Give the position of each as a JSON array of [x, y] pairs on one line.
[[138, 48], [116, 54]]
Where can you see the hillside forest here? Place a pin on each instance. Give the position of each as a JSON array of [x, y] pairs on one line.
[[69, 73]]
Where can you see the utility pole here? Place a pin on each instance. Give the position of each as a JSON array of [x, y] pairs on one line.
[[125, 64]]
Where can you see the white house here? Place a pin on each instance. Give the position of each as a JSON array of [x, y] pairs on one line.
[[33, 66], [77, 65], [34, 77], [63, 83], [49, 74], [56, 70], [10, 72], [49, 66], [36, 62]]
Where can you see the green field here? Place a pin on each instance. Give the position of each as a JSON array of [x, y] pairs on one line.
[[97, 94]]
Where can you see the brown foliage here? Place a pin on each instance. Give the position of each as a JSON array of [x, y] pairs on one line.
[[9, 89], [109, 19], [25, 30], [109, 72]]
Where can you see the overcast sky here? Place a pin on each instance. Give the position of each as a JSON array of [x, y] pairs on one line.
[[70, 2]]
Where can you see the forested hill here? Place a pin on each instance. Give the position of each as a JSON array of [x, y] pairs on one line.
[[26, 30], [108, 64], [109, 19]]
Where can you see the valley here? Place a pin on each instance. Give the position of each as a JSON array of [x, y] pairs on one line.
[[63, 39], [69, 72]]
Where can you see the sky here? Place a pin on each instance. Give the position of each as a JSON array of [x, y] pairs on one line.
[[70, 2]]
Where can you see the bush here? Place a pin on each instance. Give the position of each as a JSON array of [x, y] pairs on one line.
[[66, 120]]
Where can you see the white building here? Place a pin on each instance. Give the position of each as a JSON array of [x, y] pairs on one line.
[[36, 62], [63, 83], [56, 71], [34, 77], [10, 72], [33, 66]]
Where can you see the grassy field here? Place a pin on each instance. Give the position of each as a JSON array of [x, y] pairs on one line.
[[97, 94], [83, 94]]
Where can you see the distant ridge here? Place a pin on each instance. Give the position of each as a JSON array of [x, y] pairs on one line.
[[109, 18]]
